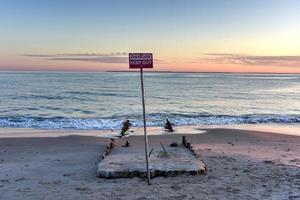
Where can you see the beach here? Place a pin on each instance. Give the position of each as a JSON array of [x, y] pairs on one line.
[[241, 165], [150, 100]]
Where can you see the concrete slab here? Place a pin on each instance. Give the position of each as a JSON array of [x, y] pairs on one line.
[[126, 162]]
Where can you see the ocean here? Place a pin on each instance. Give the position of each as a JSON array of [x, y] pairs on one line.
[[102, 101]]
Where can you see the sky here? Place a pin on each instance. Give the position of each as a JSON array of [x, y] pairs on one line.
[[183, 35]]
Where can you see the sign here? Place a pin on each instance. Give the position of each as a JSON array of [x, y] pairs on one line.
[[143, 60], [140, 60]]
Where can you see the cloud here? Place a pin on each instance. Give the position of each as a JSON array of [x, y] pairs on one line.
[[101, 59], [115, 57], [77, 54], [244, 59]]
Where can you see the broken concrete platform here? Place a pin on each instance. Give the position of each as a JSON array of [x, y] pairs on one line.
[[127, 162]]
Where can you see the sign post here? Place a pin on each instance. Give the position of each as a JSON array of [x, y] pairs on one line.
[[142, 60]]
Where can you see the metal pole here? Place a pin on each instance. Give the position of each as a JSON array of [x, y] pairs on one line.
[[145, 130]]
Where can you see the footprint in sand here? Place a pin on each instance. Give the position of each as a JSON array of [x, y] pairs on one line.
[[296, 160], [268, 162], [69, 174], [27, 189], [82, 188], [176, 187], [21, 179]]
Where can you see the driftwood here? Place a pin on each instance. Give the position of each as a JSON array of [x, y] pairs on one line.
[[127, 144], [168, 126], [112, 143], [150, 152], [174, 144], [126, 126], [188, 145], [109, 148], [184, 140], [163, 148]]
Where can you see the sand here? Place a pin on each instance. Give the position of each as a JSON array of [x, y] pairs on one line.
[[241, 165]]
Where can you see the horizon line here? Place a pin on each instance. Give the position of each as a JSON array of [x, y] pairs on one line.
[[146, 71]]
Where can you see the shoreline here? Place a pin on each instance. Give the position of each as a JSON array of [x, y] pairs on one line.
[[286, 129]]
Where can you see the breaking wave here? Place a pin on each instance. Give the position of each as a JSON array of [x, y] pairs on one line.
[[156, 119]]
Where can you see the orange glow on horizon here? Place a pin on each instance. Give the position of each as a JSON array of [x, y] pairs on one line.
[[166, 63]]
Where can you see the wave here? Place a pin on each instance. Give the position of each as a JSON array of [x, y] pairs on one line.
[[156, 119], [48, 97]]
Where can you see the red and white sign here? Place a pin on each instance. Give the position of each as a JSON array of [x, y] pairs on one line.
[[140, 60]]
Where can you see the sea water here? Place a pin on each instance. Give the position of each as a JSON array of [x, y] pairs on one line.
[[60, 100]]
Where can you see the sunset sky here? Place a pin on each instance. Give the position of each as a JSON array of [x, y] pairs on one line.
[[183, 35]]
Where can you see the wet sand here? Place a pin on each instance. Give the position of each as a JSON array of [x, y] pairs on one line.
[[241, 165]]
